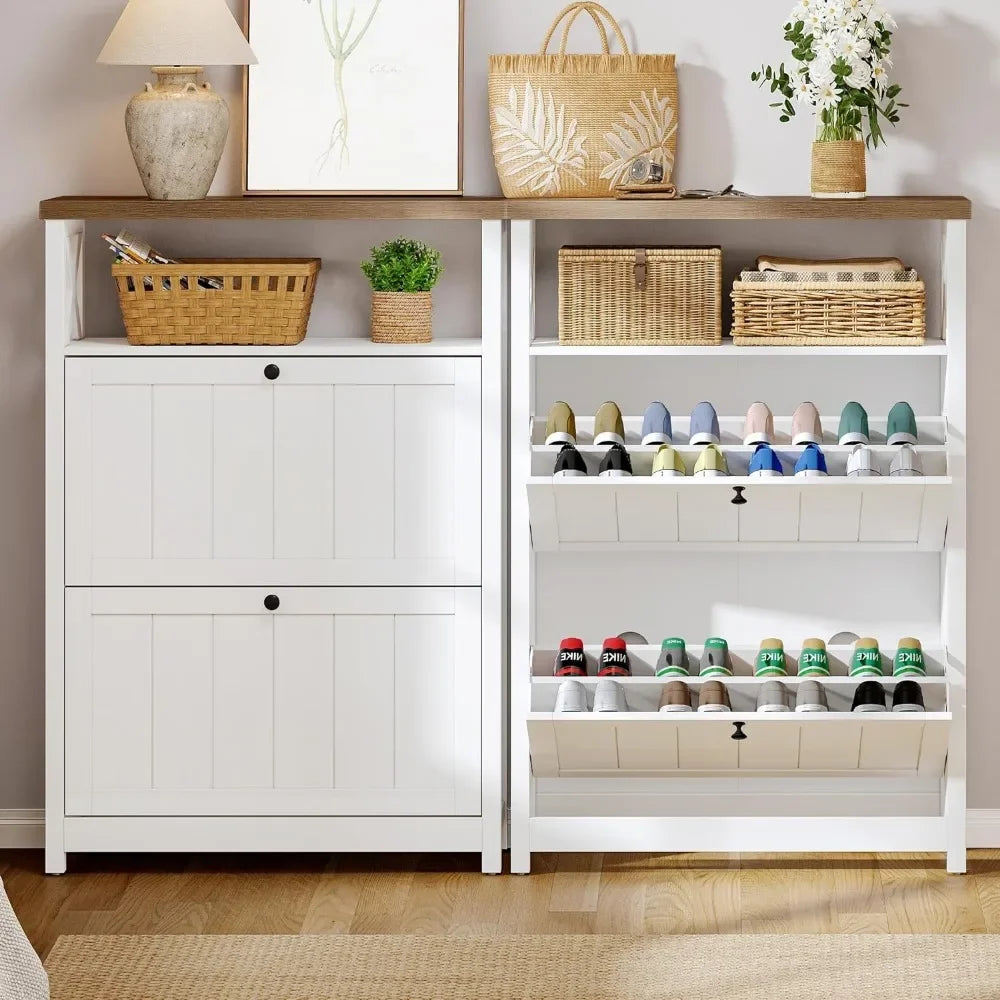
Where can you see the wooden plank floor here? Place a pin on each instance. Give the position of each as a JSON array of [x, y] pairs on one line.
[[567, 894]]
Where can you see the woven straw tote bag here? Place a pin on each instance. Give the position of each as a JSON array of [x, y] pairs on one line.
[[571, 126]]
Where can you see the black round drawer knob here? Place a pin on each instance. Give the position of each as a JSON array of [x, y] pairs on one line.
[[271, 372], [271, 602]]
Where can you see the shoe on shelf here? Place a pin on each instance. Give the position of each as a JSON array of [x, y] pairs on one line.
[[909, 659], [571, 697], [853, 425], [616, 462], [609, 428], [560, 428], [867, 660], [765, 463], [861, 463], [570, 660], [759, 426], [668, 463], [806, 426], [814, 660], [811, 463], [714, 697], [811, 697], [657, 427], [902, 427], [569, 462], [770, 660], [906, 462], [673, 659], [609, 696], [773, 697], [704, 425], [614, 659], [676, 697], [869, 697], [715, 661], [908, 697], [711, 462]]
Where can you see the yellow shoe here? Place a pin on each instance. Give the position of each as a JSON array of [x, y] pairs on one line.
[[711, 462], [667, 462]]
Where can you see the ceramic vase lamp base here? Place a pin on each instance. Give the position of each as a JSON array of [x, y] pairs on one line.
[[177, 129]]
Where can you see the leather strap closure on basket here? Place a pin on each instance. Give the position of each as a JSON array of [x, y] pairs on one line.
[[641, 269]]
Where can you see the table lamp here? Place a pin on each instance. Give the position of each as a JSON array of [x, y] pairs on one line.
[[177, 129]]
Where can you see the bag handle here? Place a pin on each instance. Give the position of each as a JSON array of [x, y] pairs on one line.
[[597, 12]]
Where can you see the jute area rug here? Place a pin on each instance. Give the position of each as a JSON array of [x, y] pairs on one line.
[[541, 967]]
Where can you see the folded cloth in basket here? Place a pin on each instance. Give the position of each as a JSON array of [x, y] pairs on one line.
[[874, 277], [858, 265]]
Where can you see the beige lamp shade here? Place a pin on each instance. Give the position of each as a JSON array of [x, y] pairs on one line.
[[177, 33]]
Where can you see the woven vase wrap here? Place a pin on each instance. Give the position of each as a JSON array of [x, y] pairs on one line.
[[839, 167], [570, 126], [264, 303], [401, 317]]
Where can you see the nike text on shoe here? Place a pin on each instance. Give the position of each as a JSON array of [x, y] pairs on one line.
[[616, 462], [765, 463], [704, 425], [715, 661], [869, 697], [759, 426], [560, 428], [569, 462], [714, 697], [806, 426], [609, 696], [609, 428], [861, 463], [902, 426], [773, 697], [667, 463], [676, 697], [656, 425], [770, 660], [813, 660], [811, 463], [570, 660], [867, 660], [908, 697], [853, 425], [909, 659], [811, 697], [571, 697], [614, 659], [711, 462], [673, 659], [906, 462]]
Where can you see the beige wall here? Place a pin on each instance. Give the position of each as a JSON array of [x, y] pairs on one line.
[[61, 132]]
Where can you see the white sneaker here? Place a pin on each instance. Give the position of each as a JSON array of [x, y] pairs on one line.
[[861, 462], [906, 462]]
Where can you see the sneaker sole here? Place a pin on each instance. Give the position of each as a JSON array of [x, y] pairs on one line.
[[904, 474], [668, 474], [773, 708], [811, 474], [752, 439], [703, 438], [609, 438], [568, 474], [908, 708], [853, 439], [811, 708], [710, 474], [902, 437], [714, 708], [560, 437], [765, 474], [803, 439], [870, 708], [864, 474], [615, 473], [658, 438], [670, 709]]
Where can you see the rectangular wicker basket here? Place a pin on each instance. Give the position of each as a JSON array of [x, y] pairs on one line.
[[811, 313], [259, 302], [640, 296]]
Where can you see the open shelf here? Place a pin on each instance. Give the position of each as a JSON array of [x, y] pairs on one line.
[[310, 347], [550, 347]]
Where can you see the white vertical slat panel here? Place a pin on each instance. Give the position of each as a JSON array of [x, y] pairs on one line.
[[771, 514], [77, 671], [303, 472], [243, 489], [364, 668], [182, 701], [122, 715], [121, 483], [303, 701], [182, 471], [243, 746], [544, 754], [468, 473], [769, 746], [648, 747], [890, 745], [364, 445], [891, 514], [425, 702], [647, 515], [830, 514], [586, 512], [467, 729], [586, 744], [823, 750], [707, 745], [706, 515]]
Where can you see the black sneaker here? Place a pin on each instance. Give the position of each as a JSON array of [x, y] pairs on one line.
[[908, 697], [569, 462], [869, 697], [616, 462]]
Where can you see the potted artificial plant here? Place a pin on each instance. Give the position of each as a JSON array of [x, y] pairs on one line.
[[402, 273], [841, 72]]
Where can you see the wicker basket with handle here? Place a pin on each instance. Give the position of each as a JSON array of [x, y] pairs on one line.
[[260, 302], [640, 296]]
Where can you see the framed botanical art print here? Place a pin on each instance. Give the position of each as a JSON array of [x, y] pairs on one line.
[[354, 97]]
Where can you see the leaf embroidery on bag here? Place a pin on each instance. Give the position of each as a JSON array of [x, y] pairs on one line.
[[538, 148], [644, 132]]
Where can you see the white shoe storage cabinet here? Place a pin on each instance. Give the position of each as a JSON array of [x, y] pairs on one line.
[[280, 614]]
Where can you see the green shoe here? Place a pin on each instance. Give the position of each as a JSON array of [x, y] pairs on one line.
[[715, 661], [667, 462], [608, 425], [867, 660], [902, 427], [813, 660], [711, 462], [770, 659], [560, 428], [673, 659], [853, 425], [909, 659]]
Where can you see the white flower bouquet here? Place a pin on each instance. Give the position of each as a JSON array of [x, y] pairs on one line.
[[841, 53]]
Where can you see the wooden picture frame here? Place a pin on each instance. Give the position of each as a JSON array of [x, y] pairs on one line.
[[285, 154]]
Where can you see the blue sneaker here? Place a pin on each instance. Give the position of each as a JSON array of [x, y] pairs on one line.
[[765, 462], [656, 425], [812, 462], [704, 425]]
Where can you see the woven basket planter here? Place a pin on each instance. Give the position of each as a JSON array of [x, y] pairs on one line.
[[401, 317], [260, 302], [838, 169]]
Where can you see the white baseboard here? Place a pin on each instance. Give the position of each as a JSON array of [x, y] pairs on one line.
[[21, 828], [983, 827]]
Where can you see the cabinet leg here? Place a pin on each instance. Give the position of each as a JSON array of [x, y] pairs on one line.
[[55, 862]]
